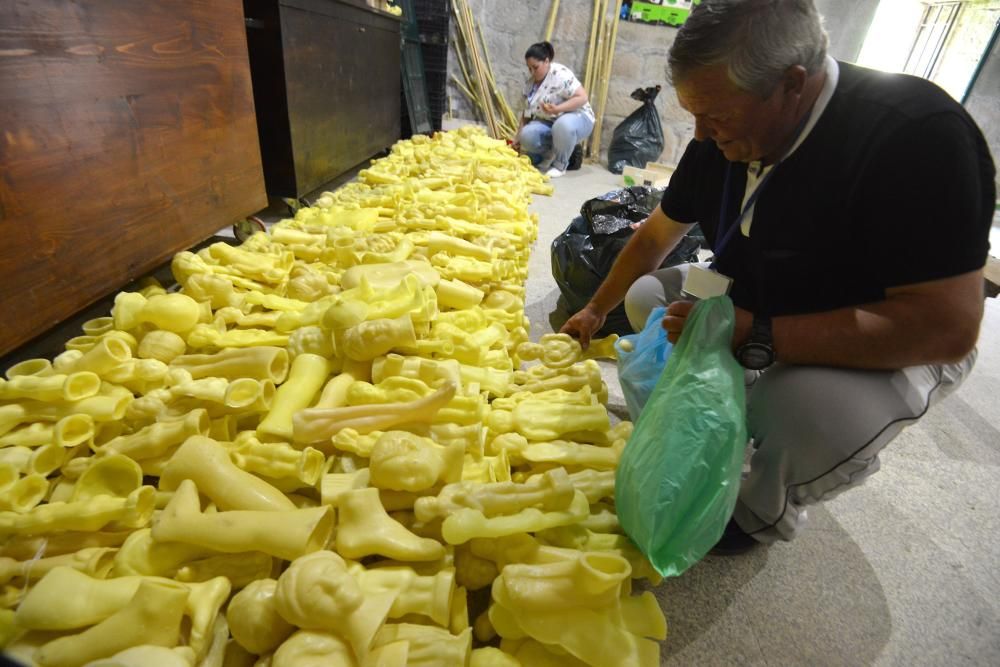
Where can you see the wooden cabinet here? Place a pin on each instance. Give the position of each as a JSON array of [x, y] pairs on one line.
[[326, 85], [128, 134]]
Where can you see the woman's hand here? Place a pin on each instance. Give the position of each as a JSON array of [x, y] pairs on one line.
[[550, 108]]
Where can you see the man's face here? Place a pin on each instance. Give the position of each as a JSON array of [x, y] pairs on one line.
[[743, 126]]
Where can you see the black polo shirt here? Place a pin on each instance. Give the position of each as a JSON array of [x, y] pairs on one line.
[[893, 186]]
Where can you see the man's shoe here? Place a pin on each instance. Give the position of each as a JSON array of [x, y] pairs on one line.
[[733, 541], [555, 173]]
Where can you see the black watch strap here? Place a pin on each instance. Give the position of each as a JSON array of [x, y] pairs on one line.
[[757, 353], [760, 332]]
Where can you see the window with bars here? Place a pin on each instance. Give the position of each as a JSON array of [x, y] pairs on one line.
[[935, 26]]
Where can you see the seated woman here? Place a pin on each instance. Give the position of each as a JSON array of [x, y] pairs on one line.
[[557, 115]]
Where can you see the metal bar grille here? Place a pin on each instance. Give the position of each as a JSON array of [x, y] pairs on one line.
[[935, 25]]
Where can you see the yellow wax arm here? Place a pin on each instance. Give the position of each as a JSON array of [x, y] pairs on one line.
[[319, 424]]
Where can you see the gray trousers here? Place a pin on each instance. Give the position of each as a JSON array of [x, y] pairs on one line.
[[816, 431]]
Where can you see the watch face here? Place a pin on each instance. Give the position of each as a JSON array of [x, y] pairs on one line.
[[756, 356]]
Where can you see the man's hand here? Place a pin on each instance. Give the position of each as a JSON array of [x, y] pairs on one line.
[[677, 314], [584, 325], [675, 319]]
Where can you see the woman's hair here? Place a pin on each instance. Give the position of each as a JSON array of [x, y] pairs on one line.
[[758, 40], [540, 51]]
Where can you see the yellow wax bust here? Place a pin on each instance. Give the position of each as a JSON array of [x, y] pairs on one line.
[[254, 619]]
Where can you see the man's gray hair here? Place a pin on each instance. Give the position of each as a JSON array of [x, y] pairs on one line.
[[757, 39]]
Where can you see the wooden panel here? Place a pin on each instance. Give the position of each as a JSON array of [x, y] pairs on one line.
[[329, 73], [343, 85], [127, 133]]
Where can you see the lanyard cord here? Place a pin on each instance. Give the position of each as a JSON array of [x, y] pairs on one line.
[[724, 208], [723, 213]]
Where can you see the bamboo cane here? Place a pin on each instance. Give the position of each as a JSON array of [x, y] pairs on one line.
[[588, 74], [463, 17], [501, 101], [465, 73], [471, 89], [552, 20], [602, 93], [479, 67], [599, 49], [599, 104], [468, 93]]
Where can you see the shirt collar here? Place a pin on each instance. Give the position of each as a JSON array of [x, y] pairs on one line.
[[832, 76]]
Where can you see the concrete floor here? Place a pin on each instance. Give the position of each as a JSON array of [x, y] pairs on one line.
[[900, 571]]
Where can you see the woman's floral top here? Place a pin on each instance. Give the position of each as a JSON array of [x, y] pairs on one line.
[[557, 87]]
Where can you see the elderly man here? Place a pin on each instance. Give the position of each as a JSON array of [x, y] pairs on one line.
[[850, 212]]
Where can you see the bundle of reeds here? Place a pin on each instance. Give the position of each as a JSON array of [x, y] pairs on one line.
[[479, 84], [600, 61]]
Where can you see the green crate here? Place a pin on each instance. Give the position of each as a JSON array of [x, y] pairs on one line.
[[671, 12]]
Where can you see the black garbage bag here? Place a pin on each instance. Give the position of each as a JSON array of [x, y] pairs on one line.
[[639, 138], [618, 209], [583, 254]]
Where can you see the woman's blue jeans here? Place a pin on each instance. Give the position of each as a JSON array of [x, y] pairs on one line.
[[544, 140]]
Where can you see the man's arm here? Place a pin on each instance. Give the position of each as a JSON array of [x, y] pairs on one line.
[[931, 322], [926, 323], [643, 254]]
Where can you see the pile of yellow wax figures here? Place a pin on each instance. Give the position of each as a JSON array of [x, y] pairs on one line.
[[321, 444]]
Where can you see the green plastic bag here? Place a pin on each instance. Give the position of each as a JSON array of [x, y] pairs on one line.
[[679, 474]]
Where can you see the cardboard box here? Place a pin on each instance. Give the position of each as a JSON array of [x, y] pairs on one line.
[[655, 174]]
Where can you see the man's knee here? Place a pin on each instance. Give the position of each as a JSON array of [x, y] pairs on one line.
[[642, 297]]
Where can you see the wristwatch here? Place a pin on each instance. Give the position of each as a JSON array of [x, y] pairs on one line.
[[757, 353]]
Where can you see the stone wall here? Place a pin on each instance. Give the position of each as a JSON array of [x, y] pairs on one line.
[[984, 103], [511, 26]]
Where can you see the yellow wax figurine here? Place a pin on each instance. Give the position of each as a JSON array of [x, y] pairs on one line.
[[285, 534], [178, 313], [429, 596], [314, 648], [158, 439], [366, 529], [93, 514], [71, 387], [254, 619], [317, 592], [428, 646], [319, 424], [263, 363], [208, 464], [152, 617], [306, 378]]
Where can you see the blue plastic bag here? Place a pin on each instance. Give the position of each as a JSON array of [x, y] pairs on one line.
[[641, 359], [679, 474]]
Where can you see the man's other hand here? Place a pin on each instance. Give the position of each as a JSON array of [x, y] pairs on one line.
[[675, 319], [677, 314], [584, 325]]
